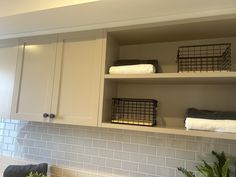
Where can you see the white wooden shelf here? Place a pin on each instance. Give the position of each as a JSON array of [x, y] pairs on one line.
[[174, 131], [175, 78]]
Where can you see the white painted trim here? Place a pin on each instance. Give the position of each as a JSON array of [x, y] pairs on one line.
[[161, 20]]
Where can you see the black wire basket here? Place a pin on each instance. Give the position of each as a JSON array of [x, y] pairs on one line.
[[134, 111], [211, 57]]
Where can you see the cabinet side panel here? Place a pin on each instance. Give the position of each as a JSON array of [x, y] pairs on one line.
[[110, 88]]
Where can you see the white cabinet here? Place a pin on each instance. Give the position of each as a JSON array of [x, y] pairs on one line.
[[76, 99], [66, 76], [58, 76], [8, 58]]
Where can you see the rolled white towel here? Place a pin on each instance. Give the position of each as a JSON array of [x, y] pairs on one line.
[[211, 125], [133, 69]]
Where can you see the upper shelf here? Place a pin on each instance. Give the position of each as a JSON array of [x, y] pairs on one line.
[[176, 78]]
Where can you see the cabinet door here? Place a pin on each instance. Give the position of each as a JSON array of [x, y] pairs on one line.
[[34, 78], [8, 58], [77, 97]]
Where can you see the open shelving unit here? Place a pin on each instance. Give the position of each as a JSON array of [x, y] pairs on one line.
[[174, 91]]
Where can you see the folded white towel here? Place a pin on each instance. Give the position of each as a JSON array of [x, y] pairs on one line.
[[211, 125], [133, 69]]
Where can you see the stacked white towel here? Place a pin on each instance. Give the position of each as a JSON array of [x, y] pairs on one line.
[[211, 124], [133, 69]]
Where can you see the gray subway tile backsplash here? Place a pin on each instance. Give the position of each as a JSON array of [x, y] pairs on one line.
[[77, 151]]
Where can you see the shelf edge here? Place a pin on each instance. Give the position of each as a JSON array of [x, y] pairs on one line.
[[172, 131]]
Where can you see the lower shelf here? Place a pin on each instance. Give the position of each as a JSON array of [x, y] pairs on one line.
[[173, 131]]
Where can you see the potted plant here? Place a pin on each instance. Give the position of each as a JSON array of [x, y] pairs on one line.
[[36, 174], [220, 168]]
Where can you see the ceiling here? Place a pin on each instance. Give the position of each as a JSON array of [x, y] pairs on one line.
[[15, 7]]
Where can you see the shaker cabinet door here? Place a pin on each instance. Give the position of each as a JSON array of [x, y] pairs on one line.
[[77, 97], [8, 58], [34, 78]]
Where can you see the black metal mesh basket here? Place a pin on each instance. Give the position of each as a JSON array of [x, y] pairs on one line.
[[211, 57], [134, 111]]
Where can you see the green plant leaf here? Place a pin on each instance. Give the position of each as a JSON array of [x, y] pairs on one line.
[[216, 169], [207, 165], [222, 167], [225, 169], [205, 171], [220, 157], [186, 172]]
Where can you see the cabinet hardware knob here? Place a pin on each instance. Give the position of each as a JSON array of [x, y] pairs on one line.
[[45, 115], [52, 116]]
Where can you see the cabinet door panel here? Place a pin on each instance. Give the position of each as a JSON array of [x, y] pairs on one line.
[[8, 58], [80, 79], [34, 81]]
